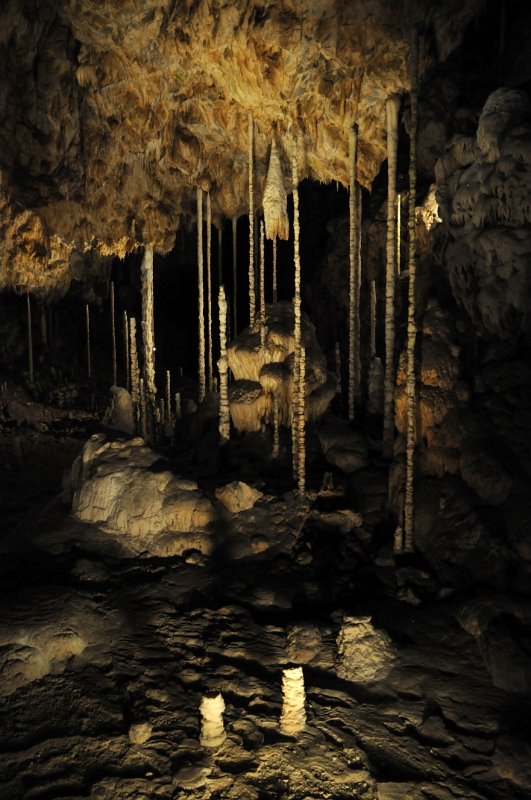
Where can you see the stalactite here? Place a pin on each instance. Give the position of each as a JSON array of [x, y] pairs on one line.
[[252, 295], [89, 361], [398, 232], [168, 397], [30, 340], [148, 327], [411, 325], [276, 437], [357, 323], [275, 298], [223, 366], [301, 449], [353, 143], [209, 291], [392, 106], [220, 255], [297, 310], [201, 291], [262, 286], [275, 203], [113, 327], [373, 319], [234, 276], [126, 353]]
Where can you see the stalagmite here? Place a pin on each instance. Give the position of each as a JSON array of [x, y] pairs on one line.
[[143, 409], [276, 438], [113, 326], [338, 367], [209, 291], [373, 319], [168, 397], [275, 299], [30, 341], [293, 716], [352, 142], [392, 106], [262, 286], [275, 203], [252, 295], [234, 277], [223, 366], [220, 255], [50, 331], [411, 325], [297, 311], [398, 232], [301, 449], [202, 377], [178, 405], [212, 731], [375, 388], [357, 296], [126, 353], [148, 326], [135, 372], [89, 362]]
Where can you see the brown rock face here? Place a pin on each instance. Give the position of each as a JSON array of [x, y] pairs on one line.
[[112, 113]]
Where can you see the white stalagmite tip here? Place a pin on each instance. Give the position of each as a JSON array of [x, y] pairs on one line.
[[212, 730], [293, 717]]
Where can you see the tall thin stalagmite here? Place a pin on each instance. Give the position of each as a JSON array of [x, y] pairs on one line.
[[352, 147], [373, 319], [275, 297], [209, 291], [297, 311], [148, 326], [135, 373], [262, 285], [113, 332], [301, 423], [220, 255], [234, 276], [276, 436], [223, 366], [398, 232], [411, 325], [44, 332], [89, 359], [126, 352], [30, 340], [390, 278], [143, 410], [357, 318], [252, 294], [201, 291], [168, 397]]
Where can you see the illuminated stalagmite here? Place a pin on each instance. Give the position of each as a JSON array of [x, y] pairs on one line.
[[223, 366], [262, 286], [113, 331], [209, 290], [135, 372], [234, 277], [297, 311], [252, 294], [411, 324], [293, 717], [301, 444], [352, 141], [126, 352], [393, 104], [201, 292], [148, 326]]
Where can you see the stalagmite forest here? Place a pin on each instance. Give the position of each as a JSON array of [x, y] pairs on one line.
[[265, 400]]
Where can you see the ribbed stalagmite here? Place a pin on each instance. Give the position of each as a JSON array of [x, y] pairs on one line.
[[297, 310], [301, 449], [209, 291], [357, 318], [276, 436], [168, 397], [148, 326], [392, 106], [30, 340], [373, 319], [352, 142], [135, 373], [113, 332], [398, 232], [143, 410], [262, 285], [126, 352], [275, 298], [411, 325], [234, 277], [223, 366], [252, 294], [201, 291]]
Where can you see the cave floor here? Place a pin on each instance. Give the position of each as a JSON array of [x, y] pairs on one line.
[[103, 693]]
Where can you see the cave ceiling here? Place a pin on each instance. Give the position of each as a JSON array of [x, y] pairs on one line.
[[112, 112]]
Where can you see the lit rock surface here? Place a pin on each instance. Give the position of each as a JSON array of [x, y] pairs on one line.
[[238, 496]]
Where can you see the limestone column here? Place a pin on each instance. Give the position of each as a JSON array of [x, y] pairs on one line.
[[223, 366], [392, 106], [296, 311], [201, 292], [411, 324]]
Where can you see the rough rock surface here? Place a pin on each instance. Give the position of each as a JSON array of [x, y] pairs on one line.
[[238, 496]]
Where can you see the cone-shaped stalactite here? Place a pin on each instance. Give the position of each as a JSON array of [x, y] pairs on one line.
[[89, 358], [209, 291], [113, 333], [301, 448], [275, 202], [30, 339], [201, 291], [297, 312], [126, 352], [392, 105], [275, 298], [353, 143], [148, 327], [252, 294], [223, 366], [411, 325], [262, 285], [234, 277]]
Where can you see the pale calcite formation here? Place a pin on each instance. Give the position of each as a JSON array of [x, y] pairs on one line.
[[275, 201], [263, 372], [293, 717], [212, 731], [364, 653]]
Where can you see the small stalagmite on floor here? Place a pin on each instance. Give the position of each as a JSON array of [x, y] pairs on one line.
[[212, 729], [293, 717]]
